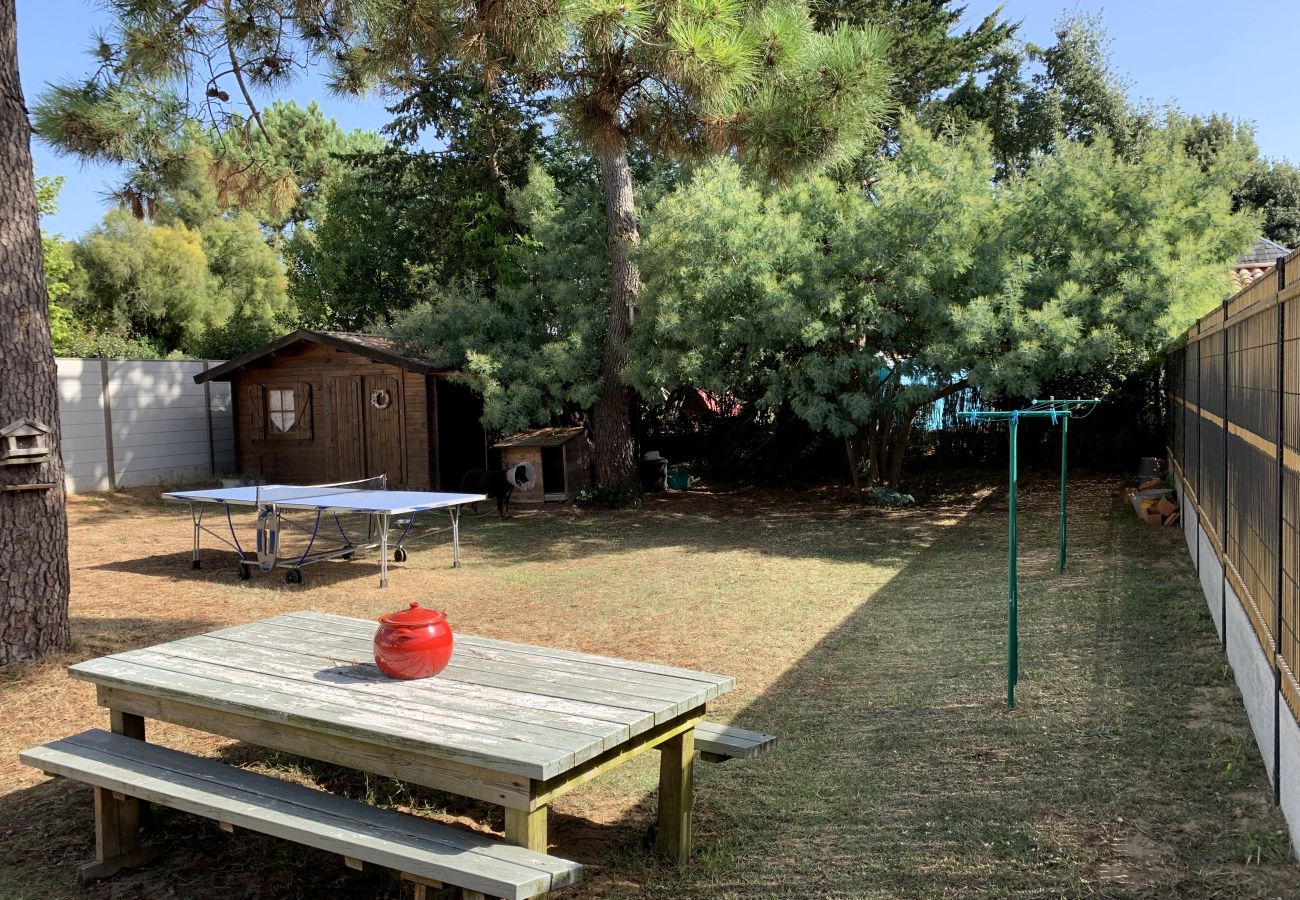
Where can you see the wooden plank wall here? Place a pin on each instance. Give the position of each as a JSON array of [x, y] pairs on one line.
[[1234, 393], [287, 458], [132, 422]]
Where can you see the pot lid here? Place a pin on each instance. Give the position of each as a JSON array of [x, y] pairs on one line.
[[414, 616]]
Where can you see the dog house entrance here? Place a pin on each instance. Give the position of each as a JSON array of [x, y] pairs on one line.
[[553, 473]]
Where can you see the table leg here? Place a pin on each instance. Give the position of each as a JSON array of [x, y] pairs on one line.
[[118, 818], [455, 537], [676, 782], [526, 829], [126, 724], [132, 726], [383, 551]]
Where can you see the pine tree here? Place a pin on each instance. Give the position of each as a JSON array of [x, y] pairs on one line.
[[676, 78], [33, 523]]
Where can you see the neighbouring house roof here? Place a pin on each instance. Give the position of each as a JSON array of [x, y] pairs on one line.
[[370, 346], [541, 437], [1261, 259]]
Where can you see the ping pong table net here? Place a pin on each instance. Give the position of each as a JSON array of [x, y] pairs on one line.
[[286, 493]]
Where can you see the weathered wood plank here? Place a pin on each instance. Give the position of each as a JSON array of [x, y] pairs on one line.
[[729, 742], [465, 664], [367, 679], [481, 783], [546, 791], [590, 662], [458, 744], [352, 650], [411, 717], [314, 818]]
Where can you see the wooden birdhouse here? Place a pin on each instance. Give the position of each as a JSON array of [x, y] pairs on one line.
[[24, 442]]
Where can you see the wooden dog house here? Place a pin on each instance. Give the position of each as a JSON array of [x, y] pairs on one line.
[[322, 406], [560, 457]]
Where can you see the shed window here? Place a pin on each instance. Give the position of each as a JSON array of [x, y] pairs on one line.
[[281, 406]]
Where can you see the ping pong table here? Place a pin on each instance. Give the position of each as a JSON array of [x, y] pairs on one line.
[[319, 512]]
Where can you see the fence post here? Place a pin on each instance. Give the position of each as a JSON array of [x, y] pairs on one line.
[[1196, 476], [1281, 536], [1227, 494], [207, 409], [108, 423]]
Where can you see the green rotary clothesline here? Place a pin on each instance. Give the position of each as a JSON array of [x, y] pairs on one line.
[[1058, 411]]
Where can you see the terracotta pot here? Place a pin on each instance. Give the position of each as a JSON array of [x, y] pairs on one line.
[[413, 643]]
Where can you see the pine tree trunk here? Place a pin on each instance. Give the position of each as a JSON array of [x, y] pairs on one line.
[[33, 523], [611, 425]]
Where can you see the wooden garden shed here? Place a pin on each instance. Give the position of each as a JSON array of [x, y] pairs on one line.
[[560, 457], [318, 406]]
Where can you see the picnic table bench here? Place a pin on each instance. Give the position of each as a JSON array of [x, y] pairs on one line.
[[511, 724]]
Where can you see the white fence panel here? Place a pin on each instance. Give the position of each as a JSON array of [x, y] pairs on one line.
[[131, 422]]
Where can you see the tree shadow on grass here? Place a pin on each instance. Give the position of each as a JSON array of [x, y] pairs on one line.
[[93, 636], [899, 772]]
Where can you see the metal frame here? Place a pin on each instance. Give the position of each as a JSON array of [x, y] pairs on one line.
[[1058, 411], [272, 518]]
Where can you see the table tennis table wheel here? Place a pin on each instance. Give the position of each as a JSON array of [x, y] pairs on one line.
[[293, 576], [244, 574], [196, 564], [399, 555]]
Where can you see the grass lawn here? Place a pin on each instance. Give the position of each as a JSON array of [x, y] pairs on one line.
[[872, 643]]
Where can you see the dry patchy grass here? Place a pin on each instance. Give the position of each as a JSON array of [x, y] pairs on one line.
[[871, 642]]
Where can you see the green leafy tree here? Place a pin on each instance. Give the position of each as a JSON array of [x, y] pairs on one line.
[[144, 280], [680, 78], [58, 264], [394, 221], [1035, 98], [928, 51], [856, 312], [1273, 190], [531, 348]]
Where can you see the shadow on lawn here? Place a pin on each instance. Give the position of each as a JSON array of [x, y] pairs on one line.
[[899, 772], [101, 637]]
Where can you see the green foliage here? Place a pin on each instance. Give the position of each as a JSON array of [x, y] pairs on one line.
[[927, 49], [855, 311], [531, 349], [1035, 98], [395, 220], [57, 261], [276, 172], [169, 284], [145, 280], [1273, 189]]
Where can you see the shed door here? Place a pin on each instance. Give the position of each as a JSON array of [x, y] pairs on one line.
[[383, 414], [349, 425]]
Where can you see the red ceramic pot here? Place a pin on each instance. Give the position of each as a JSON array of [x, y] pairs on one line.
[[413, 643]]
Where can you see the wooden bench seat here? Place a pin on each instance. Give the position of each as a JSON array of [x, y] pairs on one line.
[[719, 743], [425, 852]]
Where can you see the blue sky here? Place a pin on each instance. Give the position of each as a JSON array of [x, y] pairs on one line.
[[1201, 55]]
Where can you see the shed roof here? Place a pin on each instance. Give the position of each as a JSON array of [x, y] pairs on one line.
[[370, 346], [541, 437]]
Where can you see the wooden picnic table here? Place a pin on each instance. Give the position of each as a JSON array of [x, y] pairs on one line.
[[506, 723]]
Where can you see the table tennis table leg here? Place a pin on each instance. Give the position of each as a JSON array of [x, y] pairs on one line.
[[196, 514], [455, 537], [383, 550]]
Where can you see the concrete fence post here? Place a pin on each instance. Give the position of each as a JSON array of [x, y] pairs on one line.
[[108, 423]]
